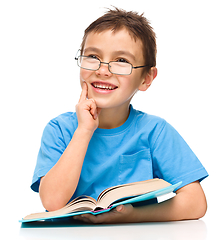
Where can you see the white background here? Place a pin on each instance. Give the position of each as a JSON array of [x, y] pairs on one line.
[[39, 80]]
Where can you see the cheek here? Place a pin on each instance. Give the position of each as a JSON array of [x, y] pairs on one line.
[[84, 75], [130, 82]]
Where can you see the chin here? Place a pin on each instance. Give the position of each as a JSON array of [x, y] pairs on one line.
[[102, 104]]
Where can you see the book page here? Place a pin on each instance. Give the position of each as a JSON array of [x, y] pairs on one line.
[[82, 203], [128, 190]]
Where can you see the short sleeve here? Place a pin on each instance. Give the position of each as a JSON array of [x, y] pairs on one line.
[[173, 160], [51, 149]]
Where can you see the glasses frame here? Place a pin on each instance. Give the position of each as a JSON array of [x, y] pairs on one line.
[[132, 67]]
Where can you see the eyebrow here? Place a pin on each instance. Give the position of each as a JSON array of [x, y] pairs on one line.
[[120, 52], [92, 49], [126, 53]]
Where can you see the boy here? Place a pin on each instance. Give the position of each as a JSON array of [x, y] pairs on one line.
[[107, 142]]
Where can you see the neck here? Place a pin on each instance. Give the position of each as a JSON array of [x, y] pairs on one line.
[[113, 117]]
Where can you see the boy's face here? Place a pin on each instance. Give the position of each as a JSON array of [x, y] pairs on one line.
[[108, 46]]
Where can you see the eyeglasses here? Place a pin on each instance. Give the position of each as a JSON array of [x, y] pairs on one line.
[[93, 64]]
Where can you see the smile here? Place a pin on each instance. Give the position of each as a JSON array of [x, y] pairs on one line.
[[103, 86]]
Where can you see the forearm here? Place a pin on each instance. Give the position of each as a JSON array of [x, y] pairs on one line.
[[185, 205], [169, 210], [59, 184], [189, 203]]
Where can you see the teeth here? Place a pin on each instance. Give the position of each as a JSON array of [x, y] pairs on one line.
[[102, 86]]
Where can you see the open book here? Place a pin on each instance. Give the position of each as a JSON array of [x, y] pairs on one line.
[[109, 199]]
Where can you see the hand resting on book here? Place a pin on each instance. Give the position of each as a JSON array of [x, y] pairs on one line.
[[120, 214]]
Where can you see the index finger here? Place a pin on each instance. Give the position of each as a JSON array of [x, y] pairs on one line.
[[84, 92]]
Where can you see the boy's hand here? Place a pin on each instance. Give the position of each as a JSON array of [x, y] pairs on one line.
[[121, 214], [87, 111]]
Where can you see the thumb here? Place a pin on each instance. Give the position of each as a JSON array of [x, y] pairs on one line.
[[99, 111], [120, 208], [123, 208]]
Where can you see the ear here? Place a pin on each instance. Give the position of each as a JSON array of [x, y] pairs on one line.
[[148, 79]]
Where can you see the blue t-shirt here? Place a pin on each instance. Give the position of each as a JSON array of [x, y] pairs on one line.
[[144, 147]]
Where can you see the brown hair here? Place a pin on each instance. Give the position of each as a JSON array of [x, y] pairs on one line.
[[137, 25]]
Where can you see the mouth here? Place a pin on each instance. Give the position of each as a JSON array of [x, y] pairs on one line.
[[104, 86]]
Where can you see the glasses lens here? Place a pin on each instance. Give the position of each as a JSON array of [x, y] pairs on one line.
[[120, 68], [88, 63]]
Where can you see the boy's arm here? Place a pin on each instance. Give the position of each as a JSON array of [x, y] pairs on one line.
[[189, 203], [59, 184]]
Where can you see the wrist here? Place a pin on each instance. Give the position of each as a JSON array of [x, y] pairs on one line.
[[84, 132]]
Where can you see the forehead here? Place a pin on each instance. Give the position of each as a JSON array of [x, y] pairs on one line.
[[118, 41]]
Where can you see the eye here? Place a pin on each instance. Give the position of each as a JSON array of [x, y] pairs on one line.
[[122, 60], [93, 56]]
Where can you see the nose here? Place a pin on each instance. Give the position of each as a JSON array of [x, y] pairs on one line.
[[104, 70]]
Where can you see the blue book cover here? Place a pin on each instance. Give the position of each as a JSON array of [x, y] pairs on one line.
[[129, 200]]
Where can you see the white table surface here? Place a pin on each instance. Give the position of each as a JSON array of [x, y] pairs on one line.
[[177, 230], [183, 230]]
